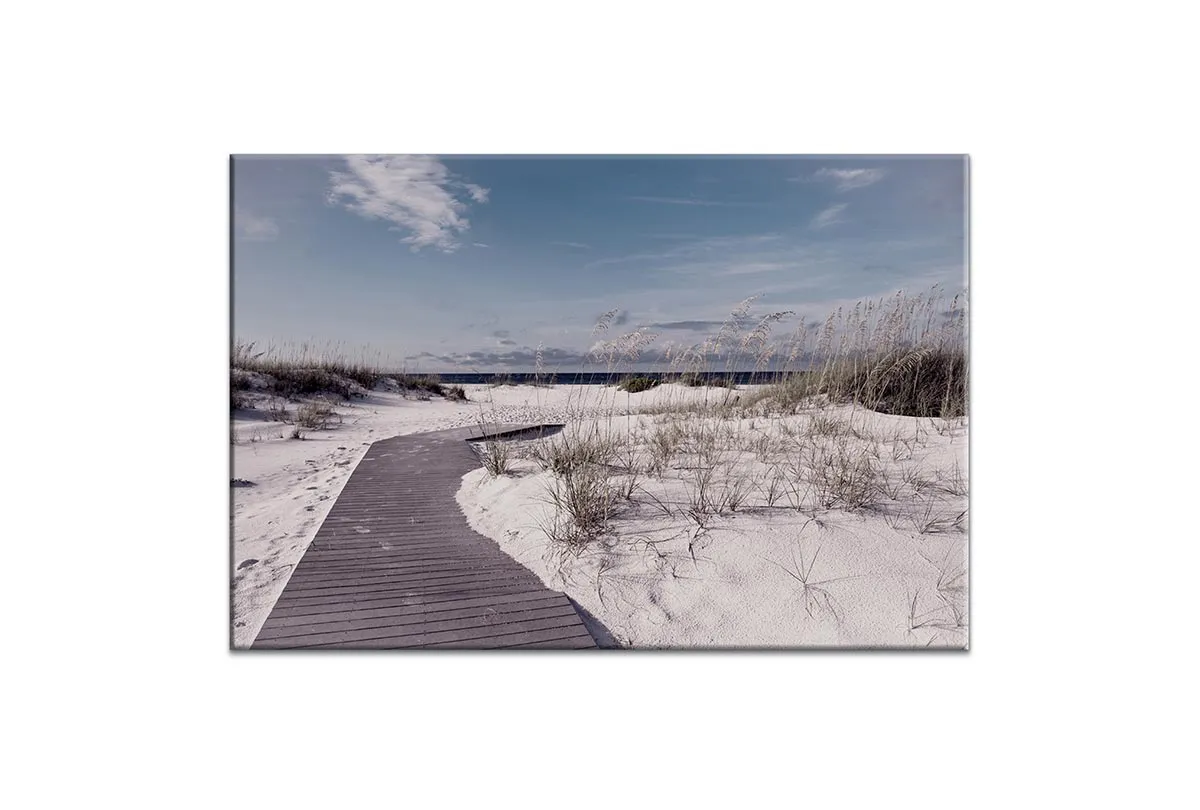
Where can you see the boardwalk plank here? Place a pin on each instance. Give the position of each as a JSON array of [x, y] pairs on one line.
[[498, 594], [425, 596], [514, 602], [426, 627], [484, 636]]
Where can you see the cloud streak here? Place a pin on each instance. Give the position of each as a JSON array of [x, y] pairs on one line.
[[849, 179], [829, 217], [251, 228], [685, 201], [417, 194]]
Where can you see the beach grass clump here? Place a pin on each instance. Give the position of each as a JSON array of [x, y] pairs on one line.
[[839, 476], [317, 416], [569, 452], [302, 370], [583, 500], [664, 444], [497, 458], [906, 355], [583, 504], [635, 385], [455, 393], [298, 382], [421, 385]]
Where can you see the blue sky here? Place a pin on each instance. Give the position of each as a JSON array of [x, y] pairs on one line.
[[469, 263]]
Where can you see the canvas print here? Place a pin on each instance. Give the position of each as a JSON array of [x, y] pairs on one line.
[[599, 402]]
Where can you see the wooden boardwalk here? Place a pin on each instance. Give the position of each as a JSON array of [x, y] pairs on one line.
[[395, 564]]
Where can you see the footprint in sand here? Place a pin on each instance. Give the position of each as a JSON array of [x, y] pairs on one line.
[[247, 563]]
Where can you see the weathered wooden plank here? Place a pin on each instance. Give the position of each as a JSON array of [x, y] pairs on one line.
[[556, 637], [406, 584], [424, 597], [502, 602], [485, 623], [575, 642], [480, 636]]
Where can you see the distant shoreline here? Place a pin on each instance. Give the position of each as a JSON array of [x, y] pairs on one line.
[[599, 377]]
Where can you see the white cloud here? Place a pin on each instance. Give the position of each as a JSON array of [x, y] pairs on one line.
[[416, 193], [251, 228], [850, 179], [830, 216], [578, 245]]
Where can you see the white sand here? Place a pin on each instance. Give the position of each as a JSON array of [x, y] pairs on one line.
[[655, 581]]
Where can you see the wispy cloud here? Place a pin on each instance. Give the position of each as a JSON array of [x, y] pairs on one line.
[[847, 179], [251, 228], [576, 245], [685, 201], [753, 268], [693, 248], [416, 193], [829, 217]]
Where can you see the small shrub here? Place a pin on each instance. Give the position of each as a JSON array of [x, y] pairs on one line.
[[636, 385], [694, 379], [455, 393], [277, 408]]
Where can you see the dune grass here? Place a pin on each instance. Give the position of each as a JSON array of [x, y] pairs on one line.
[[297, 371], [809, 447]]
